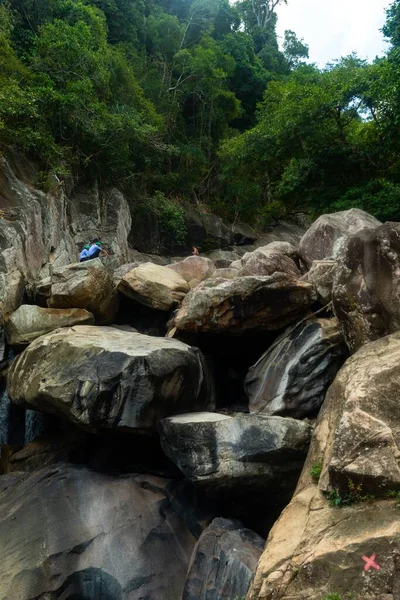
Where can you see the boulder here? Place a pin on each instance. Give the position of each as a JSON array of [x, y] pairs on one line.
[[226, 273], [325, 236], [85, 285], [356, 443], [123, 270], [277, 256], [250, 452], [292, 376], [244, 304], [104, 378], [30, 322], [194, 268], [321, 276], [154, 286], [224, 562], [223, 258], [366, 289], [68, 532]]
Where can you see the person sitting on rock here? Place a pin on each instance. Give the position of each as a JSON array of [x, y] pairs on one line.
[[195, 251], [84, 254], [95, 250]]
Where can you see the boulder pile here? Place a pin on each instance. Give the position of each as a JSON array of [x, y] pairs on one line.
[[156, 415]]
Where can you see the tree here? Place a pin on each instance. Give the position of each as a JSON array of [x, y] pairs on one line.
[[294, 49], [264, 10]]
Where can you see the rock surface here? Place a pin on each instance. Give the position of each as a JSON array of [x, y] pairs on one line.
[[366, 290], [154, 286], [324, 238], [243, 304], [277, 256], [73, 533], [30, 322], [103, 378], [194, 268], [321, 276], [85, 285], [217, 450], [292, 376], [223, 258], [314, 549], [223, 562]]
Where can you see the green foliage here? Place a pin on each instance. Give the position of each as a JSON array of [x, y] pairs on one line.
[[332, 597], [316, 470], [170, 219], [353, 495]]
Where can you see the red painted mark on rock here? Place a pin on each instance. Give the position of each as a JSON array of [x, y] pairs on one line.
[[370, 562]]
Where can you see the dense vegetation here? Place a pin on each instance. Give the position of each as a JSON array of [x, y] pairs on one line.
[[193, 100]]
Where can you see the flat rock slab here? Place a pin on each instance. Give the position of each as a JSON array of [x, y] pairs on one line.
[[30, 322], [244, 304], [291, 378], [154, 286], [67, 532], [224, 562], [104, 378], [85, 285], [222, 451]]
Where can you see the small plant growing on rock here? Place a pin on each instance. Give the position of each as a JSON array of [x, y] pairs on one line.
[[332, 597], [353, 496], [316, 470]]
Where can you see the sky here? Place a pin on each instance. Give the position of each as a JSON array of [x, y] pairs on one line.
[[335, 28]]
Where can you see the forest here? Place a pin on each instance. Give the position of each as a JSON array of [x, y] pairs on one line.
[[194, 101]]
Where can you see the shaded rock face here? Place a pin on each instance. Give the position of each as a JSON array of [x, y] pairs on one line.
[[194, 268], [30, 322], [103, 378], [321, 276], [366, 290], [292, 376], [223, 453], [325, 237], [223, 562], [223, 258], [243, 304], [85, 285], [38, 229], [154, 286], [106, 538], [357, 442]]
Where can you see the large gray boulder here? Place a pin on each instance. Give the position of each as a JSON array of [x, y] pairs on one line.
[[366, 289], [30, 322], [266, 260], [86, 285], [325, 237], [67, 532], [291, 378], [317, 548], [321, 275], [104, 378], [243, 304], [224, 562], [246, 451], [154, 286]]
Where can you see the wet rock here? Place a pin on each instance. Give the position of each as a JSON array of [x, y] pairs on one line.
[[366, 290], [223, 562], [103, 378], [154, 286], [356, 444], [223, 258], [194, 268], [86, 285], [291, 378], [244, 304], [246, 451], [325, 236], [30, 322], [321, 276], [73, 533]]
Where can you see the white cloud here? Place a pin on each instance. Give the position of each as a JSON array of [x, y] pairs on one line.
[[335, 28]]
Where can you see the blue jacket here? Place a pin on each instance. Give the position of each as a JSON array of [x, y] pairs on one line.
[[83, 254], [93, 251]]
